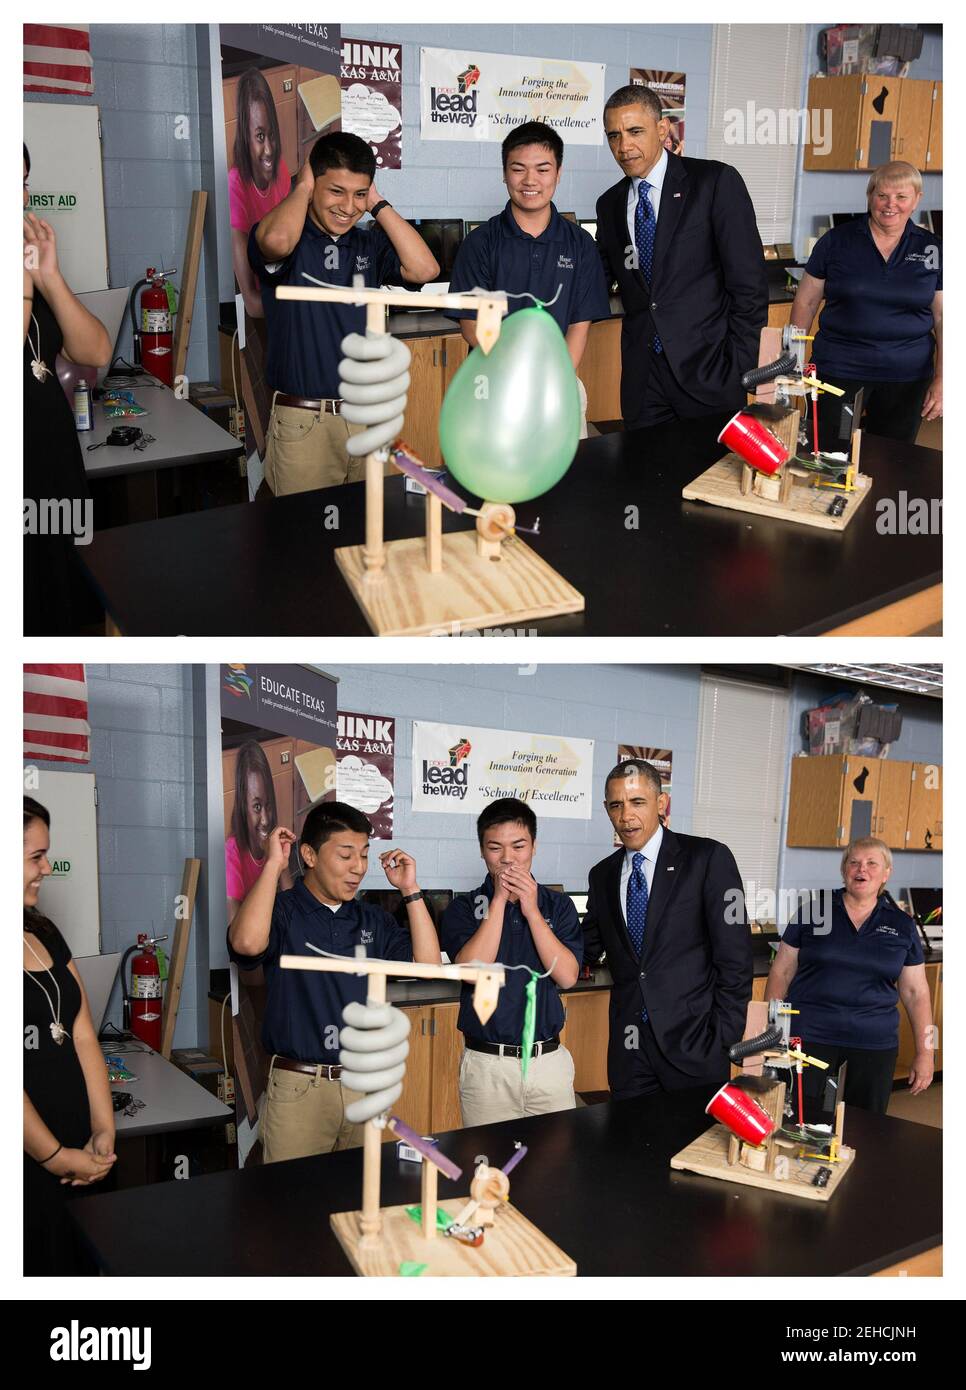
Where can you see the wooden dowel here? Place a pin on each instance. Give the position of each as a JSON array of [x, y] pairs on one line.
[[434, 534], [371, 1222], [430, 1184], [373, 555], [352, 965]]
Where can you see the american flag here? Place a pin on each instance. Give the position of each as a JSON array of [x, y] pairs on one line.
[[55, 727], [57, 58]]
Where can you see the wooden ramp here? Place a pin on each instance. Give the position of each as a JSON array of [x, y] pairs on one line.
[[512, 1247]]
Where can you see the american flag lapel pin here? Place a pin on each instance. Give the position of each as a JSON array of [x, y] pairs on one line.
[[677, 195]]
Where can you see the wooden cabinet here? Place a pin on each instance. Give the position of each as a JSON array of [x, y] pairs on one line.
[[925, 825], [413, 1106], [421, 424], [864, 120], [836, 799], [934, 154], [891, 815], [586, 1033], [445, 1111], [600, 370]]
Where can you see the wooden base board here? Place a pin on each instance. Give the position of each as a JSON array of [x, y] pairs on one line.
[[721, 486], [512, 1246], [709, 1157], [406, 600]]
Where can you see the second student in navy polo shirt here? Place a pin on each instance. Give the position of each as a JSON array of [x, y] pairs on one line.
[[529, 248], [304, 1110], [513, 920], [845, 971], [314, 230]]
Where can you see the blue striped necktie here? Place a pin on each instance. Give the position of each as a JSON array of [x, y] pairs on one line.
[[637, 908], [645, 225]]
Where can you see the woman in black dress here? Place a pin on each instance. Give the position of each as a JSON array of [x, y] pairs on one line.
[[54, 321], [68, 1114]]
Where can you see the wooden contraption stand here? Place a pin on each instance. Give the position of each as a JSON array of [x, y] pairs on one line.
[[778, 1164], [388, 1241], [793, 493], [443, 584]]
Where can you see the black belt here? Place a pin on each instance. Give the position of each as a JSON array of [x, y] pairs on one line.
[[309, 1068], [328, 407], [512, 1049]]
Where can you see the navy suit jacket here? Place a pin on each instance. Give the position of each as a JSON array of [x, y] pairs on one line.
[[695, 973], [709, 297]]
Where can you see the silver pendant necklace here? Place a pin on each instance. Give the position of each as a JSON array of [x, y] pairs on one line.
[[38, 366], [57, 1030]]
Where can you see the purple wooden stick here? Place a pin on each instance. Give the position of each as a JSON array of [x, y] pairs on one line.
[[511, 1163], [445, 1165], [429, 480]]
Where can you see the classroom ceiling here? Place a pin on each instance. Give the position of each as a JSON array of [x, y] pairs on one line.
[[914, 680]]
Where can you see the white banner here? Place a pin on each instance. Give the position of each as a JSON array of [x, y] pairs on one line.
[[461, 769], [482, 96]]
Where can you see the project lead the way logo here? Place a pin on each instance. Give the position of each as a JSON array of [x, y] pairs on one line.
[[76, 1343], [456, 105]]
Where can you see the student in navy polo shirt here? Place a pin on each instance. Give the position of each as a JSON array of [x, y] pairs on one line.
[[304, 1109], [530, 248], [881, 328], [846, 973], [513, 920], [314, 230]]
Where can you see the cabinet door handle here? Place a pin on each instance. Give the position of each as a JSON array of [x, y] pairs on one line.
[[435, 357], [444, 356]]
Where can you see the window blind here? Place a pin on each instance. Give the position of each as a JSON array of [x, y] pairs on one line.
[[742, 752], [755, 121]]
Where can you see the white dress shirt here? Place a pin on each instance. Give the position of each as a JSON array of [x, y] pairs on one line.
[[650, 852], [656, 179]]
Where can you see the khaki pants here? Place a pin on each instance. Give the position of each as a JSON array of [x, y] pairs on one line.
[[493, 1088], [305, 450], [304, 1115], [583, 408]]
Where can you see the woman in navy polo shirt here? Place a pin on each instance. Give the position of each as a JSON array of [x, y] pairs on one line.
[[881, 328], [846, 974]]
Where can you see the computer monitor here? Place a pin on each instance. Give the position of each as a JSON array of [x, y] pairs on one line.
[[443, 236], [570, 216], [926, 902], [110, 306], [579, 901], [589, 226], [839, 219], [472, 226], [98, 974], [936, 221]]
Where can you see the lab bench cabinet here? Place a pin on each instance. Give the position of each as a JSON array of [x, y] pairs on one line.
[[430, 1101]]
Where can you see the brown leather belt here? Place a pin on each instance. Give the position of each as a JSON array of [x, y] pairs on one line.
[[309, 1068], [512, 1049], [300, 403]]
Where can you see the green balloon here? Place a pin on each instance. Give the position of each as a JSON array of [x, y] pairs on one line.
[[510, 422]]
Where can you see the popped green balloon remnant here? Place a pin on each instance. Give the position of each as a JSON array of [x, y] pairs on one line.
[[510, 422]]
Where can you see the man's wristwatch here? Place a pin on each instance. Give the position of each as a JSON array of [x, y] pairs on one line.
[[415, 897], [379, 207]]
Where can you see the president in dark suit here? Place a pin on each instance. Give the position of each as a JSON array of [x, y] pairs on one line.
[[679, 236], [669, 911]]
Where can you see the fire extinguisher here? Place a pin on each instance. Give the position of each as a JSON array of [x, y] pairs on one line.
[[142, 1003], [153, 338]]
